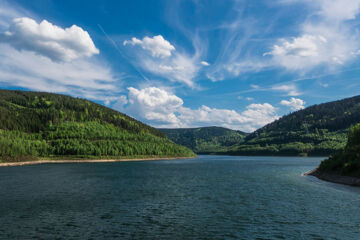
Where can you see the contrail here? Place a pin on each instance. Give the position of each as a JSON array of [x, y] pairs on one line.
[[120, 52]]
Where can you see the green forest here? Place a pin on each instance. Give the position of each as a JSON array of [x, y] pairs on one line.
[[206, 140], [347, 162], [37, 125], [319, 130]]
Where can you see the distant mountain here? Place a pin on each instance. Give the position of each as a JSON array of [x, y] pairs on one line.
[[46, 125], [206, 139], [317, 130]]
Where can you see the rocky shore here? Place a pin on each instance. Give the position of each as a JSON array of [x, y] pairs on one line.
[[335, 178]]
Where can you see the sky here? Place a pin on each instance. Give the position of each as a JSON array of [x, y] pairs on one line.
[[239, 64]]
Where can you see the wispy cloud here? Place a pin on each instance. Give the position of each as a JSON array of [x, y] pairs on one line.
[[165, 61], [289, 89], [326, 38]]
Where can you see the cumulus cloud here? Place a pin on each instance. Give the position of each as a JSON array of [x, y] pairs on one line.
[[305, 46], [154, 104], [29, 70], [45, 57], [290, 89], [164, 61], [294, 103], [49, 40], [164, 109], [157, 45], [310, 50]]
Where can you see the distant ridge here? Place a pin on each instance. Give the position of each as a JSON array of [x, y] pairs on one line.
[[211, 140], [318, 130]]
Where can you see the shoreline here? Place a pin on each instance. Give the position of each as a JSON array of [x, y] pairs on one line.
[[334, 178], [35, 162]]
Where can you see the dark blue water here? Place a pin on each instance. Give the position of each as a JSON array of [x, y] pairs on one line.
[[212, 197]]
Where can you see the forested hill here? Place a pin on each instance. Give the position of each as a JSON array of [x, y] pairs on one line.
[[317, 130], [347, 162], [34, 124], [205, 139]]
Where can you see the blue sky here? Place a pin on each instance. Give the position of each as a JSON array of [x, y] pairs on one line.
[[237, 64]]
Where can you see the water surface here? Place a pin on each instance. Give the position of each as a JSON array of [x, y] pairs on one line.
[[212, 197]]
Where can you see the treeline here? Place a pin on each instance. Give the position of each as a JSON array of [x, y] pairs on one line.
[[205, 139], [36, 125], [317, 130], [293, 143], [33, 111], [331, 116], [346, 162]]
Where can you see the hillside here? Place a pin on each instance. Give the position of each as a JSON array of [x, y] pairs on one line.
[[44, 125], [347, 162], [205, 139], [317, 130]]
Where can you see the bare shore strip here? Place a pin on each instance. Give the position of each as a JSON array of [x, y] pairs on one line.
[[335, 178], [12, 164]]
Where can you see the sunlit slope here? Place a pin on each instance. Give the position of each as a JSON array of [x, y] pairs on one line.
[[34, 124], [317, 130]]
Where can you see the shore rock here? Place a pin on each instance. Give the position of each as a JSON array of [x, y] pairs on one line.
[[335, 178]]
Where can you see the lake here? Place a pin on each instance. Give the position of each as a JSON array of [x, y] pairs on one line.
[[211, 197]]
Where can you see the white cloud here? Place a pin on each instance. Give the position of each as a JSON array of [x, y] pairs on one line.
[[305, 46], [339, 10], [236, 67], [49, 40], [25, 69], [8, 13], [37, 57], [179, 68], [157, 45], [294, 103], [291, 89], [163, 109], [154, 104], [205, 63], [311, 50], [249, 98], [164, 61], [333, 9], [326, 38], [255, 116]]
